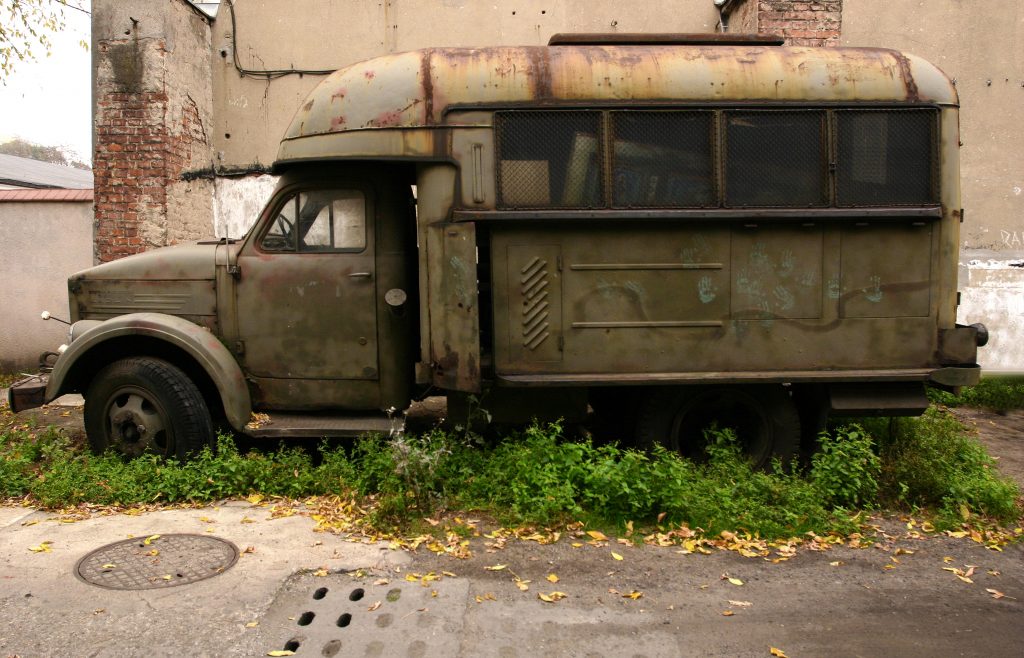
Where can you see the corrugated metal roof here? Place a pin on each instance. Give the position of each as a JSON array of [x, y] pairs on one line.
[[45, 195], [24, 172]]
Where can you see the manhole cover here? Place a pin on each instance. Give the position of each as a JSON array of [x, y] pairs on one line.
[[157, 561]]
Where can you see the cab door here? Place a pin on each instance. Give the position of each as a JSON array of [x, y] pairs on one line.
[[306, 295]]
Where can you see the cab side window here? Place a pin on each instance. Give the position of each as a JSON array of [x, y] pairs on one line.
[[319, 221]]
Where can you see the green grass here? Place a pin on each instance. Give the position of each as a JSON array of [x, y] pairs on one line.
[[539, 477], [999, 394]]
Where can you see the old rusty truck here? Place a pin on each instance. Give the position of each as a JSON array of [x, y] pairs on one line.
[[668, 230]]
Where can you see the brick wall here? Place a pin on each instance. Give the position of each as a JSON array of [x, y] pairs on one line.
[[151, 105], [801, 23], [131, 169]]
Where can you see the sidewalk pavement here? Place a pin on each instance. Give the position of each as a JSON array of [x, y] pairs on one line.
[[295, 590], [45, 610]]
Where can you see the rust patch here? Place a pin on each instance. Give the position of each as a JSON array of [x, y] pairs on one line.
[[540, 62], [338, 122], [427, 83], [308, 106], [369, 75], [908, 78], [339, 95]]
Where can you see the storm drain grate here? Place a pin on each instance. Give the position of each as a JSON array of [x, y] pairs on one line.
[[157, 561], [340, 616]]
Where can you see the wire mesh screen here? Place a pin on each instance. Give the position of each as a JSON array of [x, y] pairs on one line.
[[549, 159], [885, 157], [662, 159], [775, 158]]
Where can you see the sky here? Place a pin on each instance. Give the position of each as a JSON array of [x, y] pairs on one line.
[[49, 101]]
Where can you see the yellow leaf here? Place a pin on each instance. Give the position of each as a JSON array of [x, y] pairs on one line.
[[166, 576], [633, 595], [598, 535], [44, 547], [252, 624], [246, 519], [740, 604], [150, 539], [576, 544], [736, 581], [254, 498], [109, 565], [496, 567], [889, 566], [552, 578], [965, 579], [281, 652], [552, 597], [778, 653], [523, 585], [616, 555], [728, 613], [320, 573], [837, 563]]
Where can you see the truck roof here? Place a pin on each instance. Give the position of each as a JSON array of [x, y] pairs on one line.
[[388, 106]]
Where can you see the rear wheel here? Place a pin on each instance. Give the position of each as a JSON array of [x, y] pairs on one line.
[[764, 419], [144, 405]]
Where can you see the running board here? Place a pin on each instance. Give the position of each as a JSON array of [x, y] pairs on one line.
[[281, 425]]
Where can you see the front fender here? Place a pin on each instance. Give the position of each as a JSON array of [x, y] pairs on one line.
[[197, 342]]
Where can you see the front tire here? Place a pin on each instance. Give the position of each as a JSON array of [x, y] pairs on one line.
[[764, 419], [144, 405]]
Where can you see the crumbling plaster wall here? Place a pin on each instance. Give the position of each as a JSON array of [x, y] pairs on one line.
[[152, 111], [981, 47]]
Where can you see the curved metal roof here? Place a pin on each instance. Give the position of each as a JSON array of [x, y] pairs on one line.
[[415, 89]]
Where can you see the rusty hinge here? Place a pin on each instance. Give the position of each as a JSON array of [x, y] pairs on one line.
[[235, 271]]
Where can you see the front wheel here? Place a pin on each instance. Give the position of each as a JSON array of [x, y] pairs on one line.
[[763, 418], [144, 405]]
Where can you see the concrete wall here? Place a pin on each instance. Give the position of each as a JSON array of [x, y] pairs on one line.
[[41, 245], [981, 46]]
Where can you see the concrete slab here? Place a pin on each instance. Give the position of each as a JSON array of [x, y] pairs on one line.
[[46, 610]]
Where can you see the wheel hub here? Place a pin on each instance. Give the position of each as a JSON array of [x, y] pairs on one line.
[[136, 425]]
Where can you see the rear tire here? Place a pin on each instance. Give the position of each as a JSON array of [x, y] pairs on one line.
[[144, 405], [764, 419]]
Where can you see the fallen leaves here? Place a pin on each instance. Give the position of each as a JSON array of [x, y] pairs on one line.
[[553, 597], [43, 547], [552, 578], [778, 653], [616, 556], [735, 581]]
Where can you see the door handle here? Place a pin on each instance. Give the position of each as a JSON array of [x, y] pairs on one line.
[[359, 275]]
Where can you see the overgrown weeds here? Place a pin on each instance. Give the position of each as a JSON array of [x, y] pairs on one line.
[[539, 477]]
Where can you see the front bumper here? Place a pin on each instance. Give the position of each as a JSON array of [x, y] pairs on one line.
[[27, 393]]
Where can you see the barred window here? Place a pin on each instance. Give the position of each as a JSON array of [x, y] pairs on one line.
[[549, 159], [776, 158], [885, 157], [663, 159]]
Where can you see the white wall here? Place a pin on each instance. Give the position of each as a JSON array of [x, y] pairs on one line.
[[41, 244]]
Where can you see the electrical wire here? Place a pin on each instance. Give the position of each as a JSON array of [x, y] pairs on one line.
[[266, 74]]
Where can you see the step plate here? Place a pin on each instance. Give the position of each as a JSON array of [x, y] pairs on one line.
[[306, 425]]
